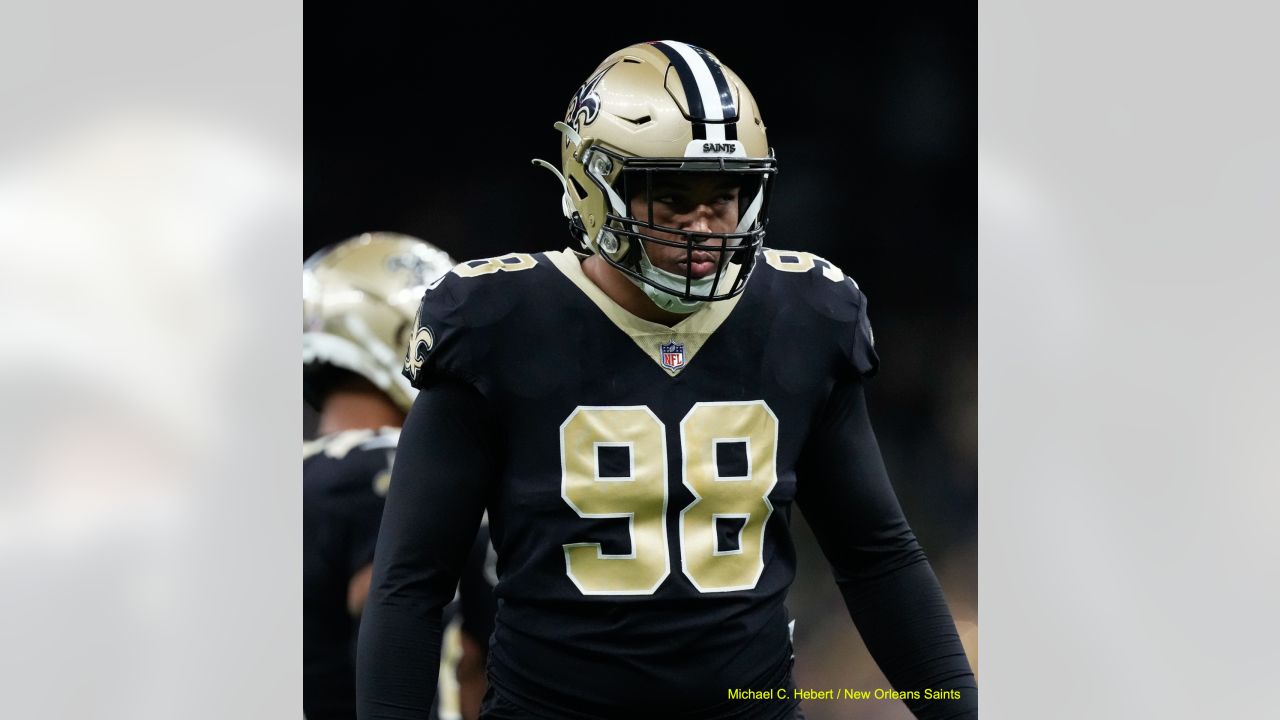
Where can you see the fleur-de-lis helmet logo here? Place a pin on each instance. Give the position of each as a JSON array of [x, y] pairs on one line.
[[584, 106], [411, 263]]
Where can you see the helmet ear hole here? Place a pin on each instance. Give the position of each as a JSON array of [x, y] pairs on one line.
[[577, 188]]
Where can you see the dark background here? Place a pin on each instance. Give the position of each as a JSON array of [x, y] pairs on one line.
[[426, 125]]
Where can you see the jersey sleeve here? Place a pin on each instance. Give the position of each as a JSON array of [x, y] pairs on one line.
[[843, 308], [863, 358], [441, 343], [443, 472], [465, 322], [829, 305]]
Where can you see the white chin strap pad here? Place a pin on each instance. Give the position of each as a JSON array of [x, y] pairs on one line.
[[749, 217], [666, 300]]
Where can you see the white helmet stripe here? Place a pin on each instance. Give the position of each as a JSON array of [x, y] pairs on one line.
[[706, 89]]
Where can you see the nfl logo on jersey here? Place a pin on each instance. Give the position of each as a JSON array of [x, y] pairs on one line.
[[673, 355]]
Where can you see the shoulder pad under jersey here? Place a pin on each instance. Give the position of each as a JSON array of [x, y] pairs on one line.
[[829, 292], [460, 316]]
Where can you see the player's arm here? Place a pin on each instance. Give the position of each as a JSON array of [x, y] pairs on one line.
[[478, 607], [886, 580], [472, 682], [358, 590], [444, 468]]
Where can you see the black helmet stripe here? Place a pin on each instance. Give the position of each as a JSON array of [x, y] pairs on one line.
[[705, 86]]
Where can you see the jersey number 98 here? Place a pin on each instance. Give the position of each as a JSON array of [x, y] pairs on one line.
[[614, 465]]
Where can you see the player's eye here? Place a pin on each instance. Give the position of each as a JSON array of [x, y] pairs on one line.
[[680, 203]]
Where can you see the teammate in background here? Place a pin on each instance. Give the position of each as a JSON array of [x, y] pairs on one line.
[[359, 301], [638, 420]]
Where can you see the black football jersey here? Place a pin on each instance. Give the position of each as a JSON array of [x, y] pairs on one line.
[[641, 519], [345, 479]]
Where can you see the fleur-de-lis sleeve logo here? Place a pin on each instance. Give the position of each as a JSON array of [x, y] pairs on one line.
[[420, 343]]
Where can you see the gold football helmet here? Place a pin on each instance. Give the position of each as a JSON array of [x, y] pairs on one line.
[[359, 300], [648, 110]]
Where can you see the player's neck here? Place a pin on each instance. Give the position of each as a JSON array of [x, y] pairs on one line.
[[625, 293], [358, 410]]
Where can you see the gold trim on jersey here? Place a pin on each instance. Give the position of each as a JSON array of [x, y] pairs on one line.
[[649, 336]]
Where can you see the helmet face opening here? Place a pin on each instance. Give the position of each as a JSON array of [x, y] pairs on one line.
[[693, 224]]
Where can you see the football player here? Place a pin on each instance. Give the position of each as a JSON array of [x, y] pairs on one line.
[[359, 299], [638, 419]]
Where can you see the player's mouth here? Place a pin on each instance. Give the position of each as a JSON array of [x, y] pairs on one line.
[[702, 265]]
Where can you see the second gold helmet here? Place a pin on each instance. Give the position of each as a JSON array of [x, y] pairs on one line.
[[360, 297]]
